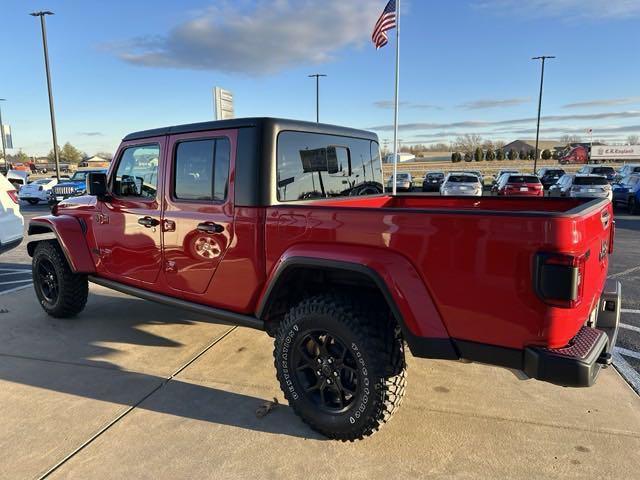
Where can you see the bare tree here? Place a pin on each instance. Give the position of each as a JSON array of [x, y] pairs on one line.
[[468, 142], [633, 140], [499, 144]]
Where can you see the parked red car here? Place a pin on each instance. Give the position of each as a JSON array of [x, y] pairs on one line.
[[276, 225], [520, 185]]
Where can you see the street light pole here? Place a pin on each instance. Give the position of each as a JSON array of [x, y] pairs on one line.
[[317, 77], [543, 58], [4, 150], [46, 66]]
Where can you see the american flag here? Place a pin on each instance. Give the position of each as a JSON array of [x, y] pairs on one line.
[[386, 22]]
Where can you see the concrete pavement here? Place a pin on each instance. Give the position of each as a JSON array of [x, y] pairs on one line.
[[135, 390]]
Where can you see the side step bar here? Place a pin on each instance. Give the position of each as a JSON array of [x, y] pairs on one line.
[[219, 315]]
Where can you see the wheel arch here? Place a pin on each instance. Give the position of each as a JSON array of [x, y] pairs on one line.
[[293, 270], [70, 235]]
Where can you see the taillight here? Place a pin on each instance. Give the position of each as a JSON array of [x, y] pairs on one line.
[[14, 196], [559, 278]]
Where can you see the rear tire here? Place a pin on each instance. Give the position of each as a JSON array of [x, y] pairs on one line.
[[340, 363], [61, 293]]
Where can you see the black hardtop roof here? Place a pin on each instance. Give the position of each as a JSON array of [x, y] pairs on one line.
[[277, 124]]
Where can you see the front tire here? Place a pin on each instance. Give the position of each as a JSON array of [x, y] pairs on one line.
[[61, 293], [341, 365]]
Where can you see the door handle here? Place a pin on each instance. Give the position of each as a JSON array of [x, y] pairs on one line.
[[148, 222], [210, 227]]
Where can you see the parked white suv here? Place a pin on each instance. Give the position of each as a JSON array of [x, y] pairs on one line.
[[11, 221]]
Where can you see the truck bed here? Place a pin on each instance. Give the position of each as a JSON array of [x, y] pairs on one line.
[[476, 256]]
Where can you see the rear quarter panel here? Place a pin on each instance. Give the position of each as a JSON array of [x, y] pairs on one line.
[[476, 268]]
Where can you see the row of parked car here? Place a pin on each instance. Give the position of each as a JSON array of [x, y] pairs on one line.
[[621, 187]]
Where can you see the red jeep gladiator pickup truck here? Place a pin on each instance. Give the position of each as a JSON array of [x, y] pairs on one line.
[[283, 226]]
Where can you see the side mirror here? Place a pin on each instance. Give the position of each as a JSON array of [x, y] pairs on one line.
[[97, 185]]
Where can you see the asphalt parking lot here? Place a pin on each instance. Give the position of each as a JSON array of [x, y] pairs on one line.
[[136, 390]]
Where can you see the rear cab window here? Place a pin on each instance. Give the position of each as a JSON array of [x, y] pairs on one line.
[[603, 170], [316, 166]]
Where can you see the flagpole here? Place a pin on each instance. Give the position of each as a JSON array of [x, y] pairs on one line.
[[395, 121]]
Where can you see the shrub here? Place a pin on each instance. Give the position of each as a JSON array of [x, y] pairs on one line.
[[523, 154], [546, 154], [499, 154], [490, 155], [467, 157], [531, 154], [478, 155], [512, 155]]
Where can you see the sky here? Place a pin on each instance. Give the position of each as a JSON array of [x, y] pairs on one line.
[[466, 67]]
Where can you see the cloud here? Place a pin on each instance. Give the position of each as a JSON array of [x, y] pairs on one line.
[[262, 38], [603, 102], [475, 124], [388, 104], [483, 104], [565, 9], [91, 134]]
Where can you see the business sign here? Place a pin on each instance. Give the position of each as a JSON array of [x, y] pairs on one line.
[[8, 139], [612, 152], [222, 104]]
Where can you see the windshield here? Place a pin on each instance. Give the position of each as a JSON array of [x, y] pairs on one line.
[[590, 181], [42, 181], [463, 179], [553, 173], [435, 175], [523, 179], [401, 176], [79, 176]]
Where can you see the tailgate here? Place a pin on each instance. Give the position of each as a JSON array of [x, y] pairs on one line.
[[572, 277]]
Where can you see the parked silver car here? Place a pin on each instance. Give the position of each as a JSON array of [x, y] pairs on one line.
[[404, 182], [590, 186], [466, 184]]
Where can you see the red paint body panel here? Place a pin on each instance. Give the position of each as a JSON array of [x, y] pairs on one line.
[[71, 238]]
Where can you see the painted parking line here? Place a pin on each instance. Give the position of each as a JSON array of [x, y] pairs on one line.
[[11, 290], [16, 272], [16, 281], [626, 370], [624, 272], [627, 352], [633, 328], [629, 310]]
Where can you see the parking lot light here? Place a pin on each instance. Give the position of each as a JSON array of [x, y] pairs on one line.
[[43, 27]]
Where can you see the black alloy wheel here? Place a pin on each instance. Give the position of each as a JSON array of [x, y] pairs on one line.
[[326, 370]]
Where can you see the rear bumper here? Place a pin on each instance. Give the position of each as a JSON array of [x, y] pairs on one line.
[[579, 363]]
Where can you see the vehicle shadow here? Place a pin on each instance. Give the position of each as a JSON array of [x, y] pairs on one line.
[[72, 357]]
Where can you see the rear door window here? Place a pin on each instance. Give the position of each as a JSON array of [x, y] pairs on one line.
[[201, 170]]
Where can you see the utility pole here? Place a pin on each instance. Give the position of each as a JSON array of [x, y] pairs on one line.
[[317, 77], [46, 66], [4, 149], [543, 58]]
